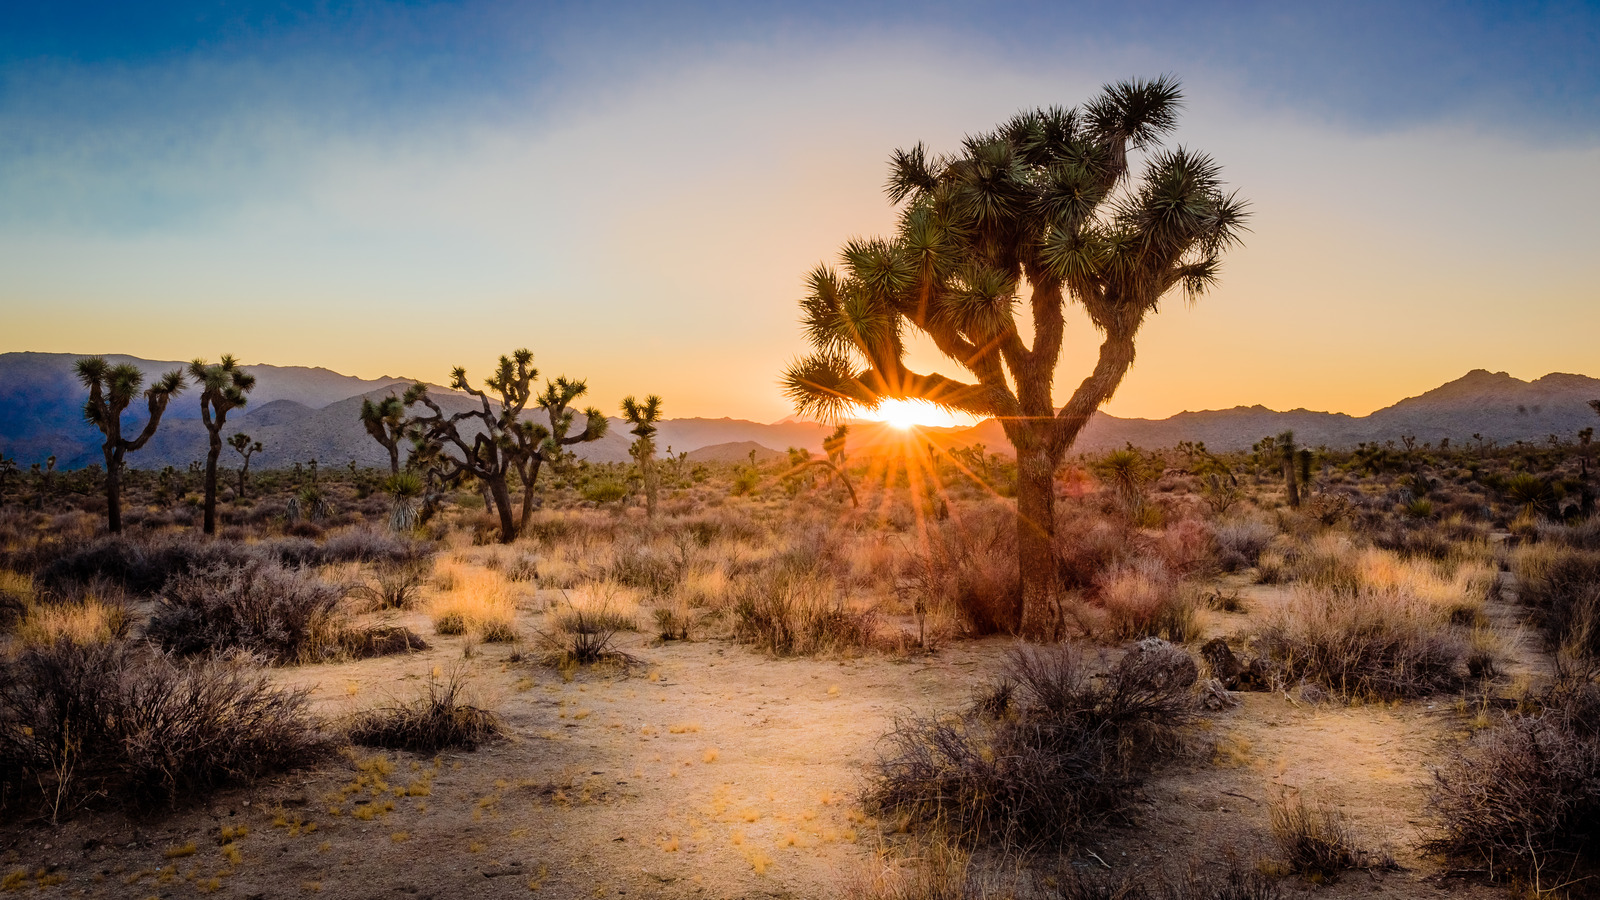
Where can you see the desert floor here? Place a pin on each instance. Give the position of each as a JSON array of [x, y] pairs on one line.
[[708, 770]]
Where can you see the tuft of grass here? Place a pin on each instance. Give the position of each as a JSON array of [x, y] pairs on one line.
[[438, 720], [1316, 842], [1365, 643]]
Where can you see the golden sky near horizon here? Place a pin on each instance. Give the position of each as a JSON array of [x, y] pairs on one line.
[[652, 234]]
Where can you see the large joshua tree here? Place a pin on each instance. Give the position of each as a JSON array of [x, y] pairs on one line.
[[111, 389], [223, 388], [493, 440], [386, 422], [643, 417], [1042, 206]]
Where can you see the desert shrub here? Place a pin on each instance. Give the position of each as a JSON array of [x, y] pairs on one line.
[[380, 640], [1326, 562], [1365, 643], [1144, 600], [604, 490], [285, 615], [393, 586], [795, 616], [361, 545], [1066, 757], [971, 569], [475, 600], [1563, 587], [1584, 535], [137, 568], [1087, 543], [438, 720], [1239, 544], [523, 569], [649, 568], [1524, 795], [1316, 842], [1185, 546], [80, 723]]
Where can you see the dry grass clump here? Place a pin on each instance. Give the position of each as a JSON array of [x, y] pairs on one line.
[[1065, 757], [394, 586], [16, 597], [1143, 599], [85, 722], [1365, 643], [793, 615], [285, 615], [438, 720], [1523, 797], [86, 621], [1458, 592], [478, 602], [585, 627], [1317, 843], [1562, 585]]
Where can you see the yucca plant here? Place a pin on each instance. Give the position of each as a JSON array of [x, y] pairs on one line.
[[1043, 201], [111, 389], [223, 388]]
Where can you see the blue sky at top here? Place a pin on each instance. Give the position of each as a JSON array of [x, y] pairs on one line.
[[675, 168]]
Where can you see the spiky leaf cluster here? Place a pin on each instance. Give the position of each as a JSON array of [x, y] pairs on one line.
[[1043, 204]]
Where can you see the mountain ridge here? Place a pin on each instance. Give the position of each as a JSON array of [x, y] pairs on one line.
[[300, 413]]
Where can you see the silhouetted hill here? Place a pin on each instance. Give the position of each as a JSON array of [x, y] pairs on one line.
[[310, 413]]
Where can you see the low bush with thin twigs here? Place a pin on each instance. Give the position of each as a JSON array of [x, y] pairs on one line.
[[285, 615], [81, 723], [1522, 798], [1063, 759], [438, 720], [1209, 881]]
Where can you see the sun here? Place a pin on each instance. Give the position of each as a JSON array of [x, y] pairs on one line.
[[906, 414]]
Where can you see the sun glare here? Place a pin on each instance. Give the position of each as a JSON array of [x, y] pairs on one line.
[[905, 414]]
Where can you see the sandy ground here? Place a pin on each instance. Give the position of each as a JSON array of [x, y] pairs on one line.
[[710, 770]]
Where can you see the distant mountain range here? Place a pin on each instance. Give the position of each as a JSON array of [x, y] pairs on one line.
[[301, 413]]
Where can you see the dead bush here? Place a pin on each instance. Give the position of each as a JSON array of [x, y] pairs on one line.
[[438, 720], [1065, 758], [971, 569], [1523, 796], [285, 615], [81, 723]]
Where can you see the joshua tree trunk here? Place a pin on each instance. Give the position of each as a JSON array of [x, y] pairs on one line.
[[113, 492], [496, 488], [1040, 615], [213, 451]]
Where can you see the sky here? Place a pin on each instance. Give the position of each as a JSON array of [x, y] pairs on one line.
[[635, 191]]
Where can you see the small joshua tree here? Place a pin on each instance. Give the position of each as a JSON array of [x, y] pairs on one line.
[[111, 389], [1286, 446], [223, 388], [386, 422], [504, 442], [242, 444], [643, 417]]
